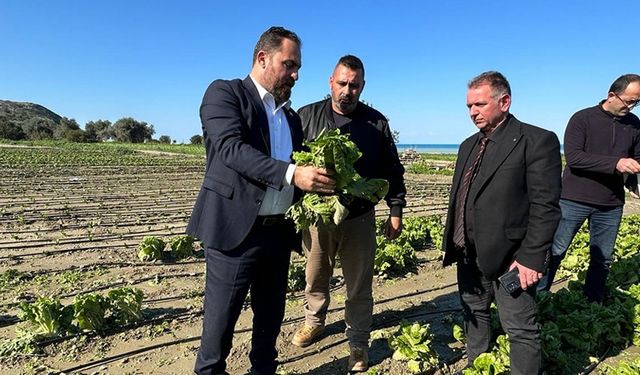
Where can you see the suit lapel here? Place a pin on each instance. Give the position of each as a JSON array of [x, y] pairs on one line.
[[263, 124], [463, 155], [509, 140]]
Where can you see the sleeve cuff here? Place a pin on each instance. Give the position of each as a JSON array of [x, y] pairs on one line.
[[288, 177]]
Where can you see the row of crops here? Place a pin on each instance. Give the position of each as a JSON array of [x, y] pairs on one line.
[[113, 207], [575, 333], [46, 318], [72, 234], [72, 217]]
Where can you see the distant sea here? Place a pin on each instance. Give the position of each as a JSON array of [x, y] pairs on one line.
[[427, 148]]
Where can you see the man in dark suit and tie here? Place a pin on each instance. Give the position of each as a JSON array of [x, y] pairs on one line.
[[250, 132], [503, 212]]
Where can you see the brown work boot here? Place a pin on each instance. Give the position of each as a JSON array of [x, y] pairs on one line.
[[306, 335], [359, 359]]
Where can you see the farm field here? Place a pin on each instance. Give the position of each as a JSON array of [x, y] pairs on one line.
[[72, 217]]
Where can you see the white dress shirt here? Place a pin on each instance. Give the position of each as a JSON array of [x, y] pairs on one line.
[[277, 201]]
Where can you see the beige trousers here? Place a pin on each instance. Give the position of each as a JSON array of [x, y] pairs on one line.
[[355, 242]]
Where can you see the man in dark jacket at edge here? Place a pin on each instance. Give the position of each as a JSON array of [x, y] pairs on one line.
[[601, 144], [355, 238], [502, 214]]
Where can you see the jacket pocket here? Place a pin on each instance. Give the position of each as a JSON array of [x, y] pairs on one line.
[[218, 186], [515, 233]]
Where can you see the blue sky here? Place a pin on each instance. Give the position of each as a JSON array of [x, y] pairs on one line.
[[152, 60]]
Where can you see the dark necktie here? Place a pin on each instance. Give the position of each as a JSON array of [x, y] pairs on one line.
[[463, 191]]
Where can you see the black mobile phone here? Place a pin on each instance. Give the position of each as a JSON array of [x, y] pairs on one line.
[[510, 281]]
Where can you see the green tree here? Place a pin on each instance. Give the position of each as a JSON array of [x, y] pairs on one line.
[[129, 130], [10, 130], [164, 139], [395, 135], [38, 128], [196, 139], [98, 131], [65, 126], [75, 135]]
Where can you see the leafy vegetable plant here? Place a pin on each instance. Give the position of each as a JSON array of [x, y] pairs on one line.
[[296, 279], [90, 311], [47, 315], [21, 345], [11, 278], [150, 248], [125, 304], [393, 258], [181, 247], [337, 152], [495, 362], [412, 344]]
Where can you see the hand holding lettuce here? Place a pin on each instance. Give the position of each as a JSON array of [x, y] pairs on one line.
[[334, 151]]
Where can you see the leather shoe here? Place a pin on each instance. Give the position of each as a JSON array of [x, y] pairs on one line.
[[358, 359]]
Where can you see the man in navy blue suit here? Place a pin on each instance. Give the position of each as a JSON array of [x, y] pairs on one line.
[[250, 132]]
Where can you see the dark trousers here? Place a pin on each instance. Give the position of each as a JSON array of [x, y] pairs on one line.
[[261, 262], [517, 317]]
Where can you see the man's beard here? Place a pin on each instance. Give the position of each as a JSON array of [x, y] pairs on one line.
[[347, 104], [282, 91]]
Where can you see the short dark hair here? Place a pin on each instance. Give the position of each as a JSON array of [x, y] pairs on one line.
[[271, 40], [498, 83], [619, 85], [352, 63]]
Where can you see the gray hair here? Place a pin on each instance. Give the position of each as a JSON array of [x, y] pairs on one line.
[[498, 83]]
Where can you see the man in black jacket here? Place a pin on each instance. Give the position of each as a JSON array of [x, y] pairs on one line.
[[503, 211], [601, 143], [354, 239]]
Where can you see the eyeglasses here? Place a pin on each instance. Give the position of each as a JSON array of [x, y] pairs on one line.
[[629, 103]]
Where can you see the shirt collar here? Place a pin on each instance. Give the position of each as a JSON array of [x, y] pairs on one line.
[[267, 97]]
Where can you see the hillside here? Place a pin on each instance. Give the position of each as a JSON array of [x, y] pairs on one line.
[[19, 112]]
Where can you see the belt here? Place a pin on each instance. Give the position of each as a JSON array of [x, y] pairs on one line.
[[270, 220]]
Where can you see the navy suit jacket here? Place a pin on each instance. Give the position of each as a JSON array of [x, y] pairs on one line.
[[514, 199], [239, 167]]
